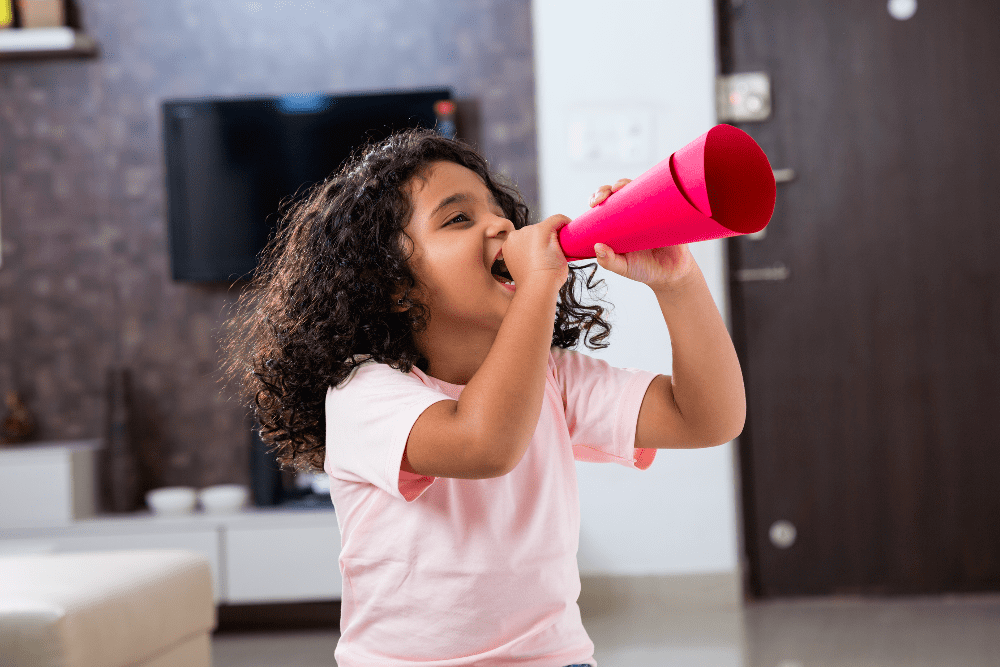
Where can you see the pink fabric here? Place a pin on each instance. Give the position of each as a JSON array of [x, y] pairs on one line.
[[446, 572]]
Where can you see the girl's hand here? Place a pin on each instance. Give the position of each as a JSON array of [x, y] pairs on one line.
[[533, 253], [659, 268]]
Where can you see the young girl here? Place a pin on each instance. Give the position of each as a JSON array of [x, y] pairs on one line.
[[409, 333]]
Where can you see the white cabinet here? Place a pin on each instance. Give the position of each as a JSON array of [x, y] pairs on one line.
[[258, 555], [47, 483], [287, 558], [47, 500]]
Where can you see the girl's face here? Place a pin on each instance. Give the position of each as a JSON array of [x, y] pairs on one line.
[[457, 229]]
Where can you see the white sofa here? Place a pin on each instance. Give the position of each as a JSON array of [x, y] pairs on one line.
[[152, 608]]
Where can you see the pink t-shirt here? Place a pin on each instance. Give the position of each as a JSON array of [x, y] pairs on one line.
[[454, 572]]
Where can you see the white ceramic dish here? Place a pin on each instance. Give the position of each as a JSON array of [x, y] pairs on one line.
[[171, 500], [223, 498]]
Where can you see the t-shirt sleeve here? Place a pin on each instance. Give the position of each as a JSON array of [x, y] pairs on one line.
[[602, 408], [368, 419]]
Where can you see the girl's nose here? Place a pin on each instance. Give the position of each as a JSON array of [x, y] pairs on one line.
[[498, 225]]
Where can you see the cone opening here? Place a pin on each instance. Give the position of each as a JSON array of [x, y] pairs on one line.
[[739, 179]]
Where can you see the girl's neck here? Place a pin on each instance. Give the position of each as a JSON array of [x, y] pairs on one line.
[[457, 359]]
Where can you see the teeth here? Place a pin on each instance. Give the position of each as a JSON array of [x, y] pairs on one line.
[[500, 272]]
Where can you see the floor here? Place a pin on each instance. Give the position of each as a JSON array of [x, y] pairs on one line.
[[703, 625]]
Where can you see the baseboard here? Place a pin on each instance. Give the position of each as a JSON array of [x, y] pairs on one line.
[[600, 595], [721, 591], [278, 616]]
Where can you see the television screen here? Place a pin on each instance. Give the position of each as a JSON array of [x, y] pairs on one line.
[[230, 163]]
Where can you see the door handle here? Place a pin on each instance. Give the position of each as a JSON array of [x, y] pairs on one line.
[[783, 175], [770, 273], [780, 176]]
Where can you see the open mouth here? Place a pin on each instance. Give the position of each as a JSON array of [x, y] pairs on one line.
[[500, 273]]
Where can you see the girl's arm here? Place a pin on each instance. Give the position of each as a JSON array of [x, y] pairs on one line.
[[486, 432], [704, 402]]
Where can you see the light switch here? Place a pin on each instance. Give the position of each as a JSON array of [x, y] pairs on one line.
[[600, 136]]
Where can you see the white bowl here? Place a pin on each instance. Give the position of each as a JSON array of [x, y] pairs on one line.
[[171, 500], [223, 498]]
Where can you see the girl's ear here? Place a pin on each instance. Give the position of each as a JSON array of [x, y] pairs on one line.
[[397, 298]]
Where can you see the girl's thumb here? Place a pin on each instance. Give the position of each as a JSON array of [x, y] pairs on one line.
[[605, 255]]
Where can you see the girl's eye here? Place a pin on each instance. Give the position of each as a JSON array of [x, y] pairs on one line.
[[461, 217]]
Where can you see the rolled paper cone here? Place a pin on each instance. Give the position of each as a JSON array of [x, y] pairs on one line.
[[719, 185]]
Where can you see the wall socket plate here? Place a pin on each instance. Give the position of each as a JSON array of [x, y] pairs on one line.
[[743, 98]]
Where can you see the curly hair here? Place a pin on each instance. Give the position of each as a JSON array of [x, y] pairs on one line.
[[326, 285]]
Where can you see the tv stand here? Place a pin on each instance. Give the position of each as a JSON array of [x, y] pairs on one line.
[[258, 555]]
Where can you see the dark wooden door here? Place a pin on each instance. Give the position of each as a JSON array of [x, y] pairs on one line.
[[873, 369]]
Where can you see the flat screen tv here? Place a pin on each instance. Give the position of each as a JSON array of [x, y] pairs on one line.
[[230, 163]]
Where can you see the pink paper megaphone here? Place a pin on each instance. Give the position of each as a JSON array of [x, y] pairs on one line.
[[719, 185]]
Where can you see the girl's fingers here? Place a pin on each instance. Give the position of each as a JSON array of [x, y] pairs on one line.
[[609, 260], [605, 191], [620, 183], [601, 194]]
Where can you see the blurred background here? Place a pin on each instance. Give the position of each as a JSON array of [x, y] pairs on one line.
[[865, 315]]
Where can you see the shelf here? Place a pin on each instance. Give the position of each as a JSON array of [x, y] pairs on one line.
[[144, 521], [28, 43], [242, 548]]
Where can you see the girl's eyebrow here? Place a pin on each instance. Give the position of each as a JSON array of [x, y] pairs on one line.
[[460, 198]]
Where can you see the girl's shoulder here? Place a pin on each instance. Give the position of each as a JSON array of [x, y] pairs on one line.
[[357, 361], [374, 372]]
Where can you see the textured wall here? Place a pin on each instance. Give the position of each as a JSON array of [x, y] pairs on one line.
[[85, 281]]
